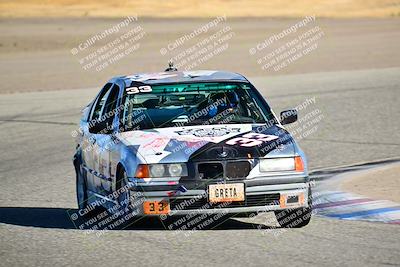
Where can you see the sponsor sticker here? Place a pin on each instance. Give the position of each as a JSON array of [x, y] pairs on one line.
[[138, 89], [213, 132], [252, 139]]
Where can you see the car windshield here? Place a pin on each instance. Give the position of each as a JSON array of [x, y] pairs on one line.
[[186, 104]]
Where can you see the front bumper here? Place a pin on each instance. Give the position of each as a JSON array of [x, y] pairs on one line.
[[261, 195]]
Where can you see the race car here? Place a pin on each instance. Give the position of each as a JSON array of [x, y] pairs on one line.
[[176, 143]]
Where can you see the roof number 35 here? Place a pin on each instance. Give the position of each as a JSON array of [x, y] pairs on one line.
[[139, 89], [252, 139]]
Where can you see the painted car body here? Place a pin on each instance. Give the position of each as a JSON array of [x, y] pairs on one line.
[[235, 149]]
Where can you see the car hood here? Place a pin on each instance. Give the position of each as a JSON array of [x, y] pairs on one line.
[[209, 142]]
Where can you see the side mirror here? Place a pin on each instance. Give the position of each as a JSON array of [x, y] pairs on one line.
[[288, 116], [101, 127]]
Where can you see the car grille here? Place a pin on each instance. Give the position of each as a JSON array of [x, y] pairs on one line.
[[211, 170], [225, 169], [202, 203], [237, 169]]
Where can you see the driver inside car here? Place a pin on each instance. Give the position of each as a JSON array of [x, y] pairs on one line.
[[225, 101]]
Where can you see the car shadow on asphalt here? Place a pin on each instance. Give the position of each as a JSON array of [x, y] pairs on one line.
[[59, 218]]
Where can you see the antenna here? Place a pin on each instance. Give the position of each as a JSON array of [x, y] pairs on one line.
[[171, 66]]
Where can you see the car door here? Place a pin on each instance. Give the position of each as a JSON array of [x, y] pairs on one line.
[[103, 142], [88, 139]]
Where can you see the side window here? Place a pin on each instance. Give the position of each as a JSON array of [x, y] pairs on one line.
[[111, 103], [99, 104], [105, 108]]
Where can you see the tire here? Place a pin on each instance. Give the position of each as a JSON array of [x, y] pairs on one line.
[[81, 188], [82, 195], [123, 197], [124, 207], [294, 218]]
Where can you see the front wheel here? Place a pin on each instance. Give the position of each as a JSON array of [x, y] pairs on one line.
[[81, 189], [122, 191]]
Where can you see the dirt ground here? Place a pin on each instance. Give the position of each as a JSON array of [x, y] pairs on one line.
[[205, 8], [380, 183], [36, 53]]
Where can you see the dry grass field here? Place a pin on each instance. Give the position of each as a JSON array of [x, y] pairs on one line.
[[205, 8]]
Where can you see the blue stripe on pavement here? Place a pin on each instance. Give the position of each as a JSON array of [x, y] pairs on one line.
[[363, 212]]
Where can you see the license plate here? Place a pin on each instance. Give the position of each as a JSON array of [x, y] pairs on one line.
[[226, 192], [156, 207]]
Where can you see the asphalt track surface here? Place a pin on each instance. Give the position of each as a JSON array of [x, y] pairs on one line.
[[360, 124]]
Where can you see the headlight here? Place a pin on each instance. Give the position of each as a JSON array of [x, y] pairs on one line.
[[157, 170], [161, 170], [281, 164], [175, 169]]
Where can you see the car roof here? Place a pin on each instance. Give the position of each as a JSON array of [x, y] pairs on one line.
[[181, 77]]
